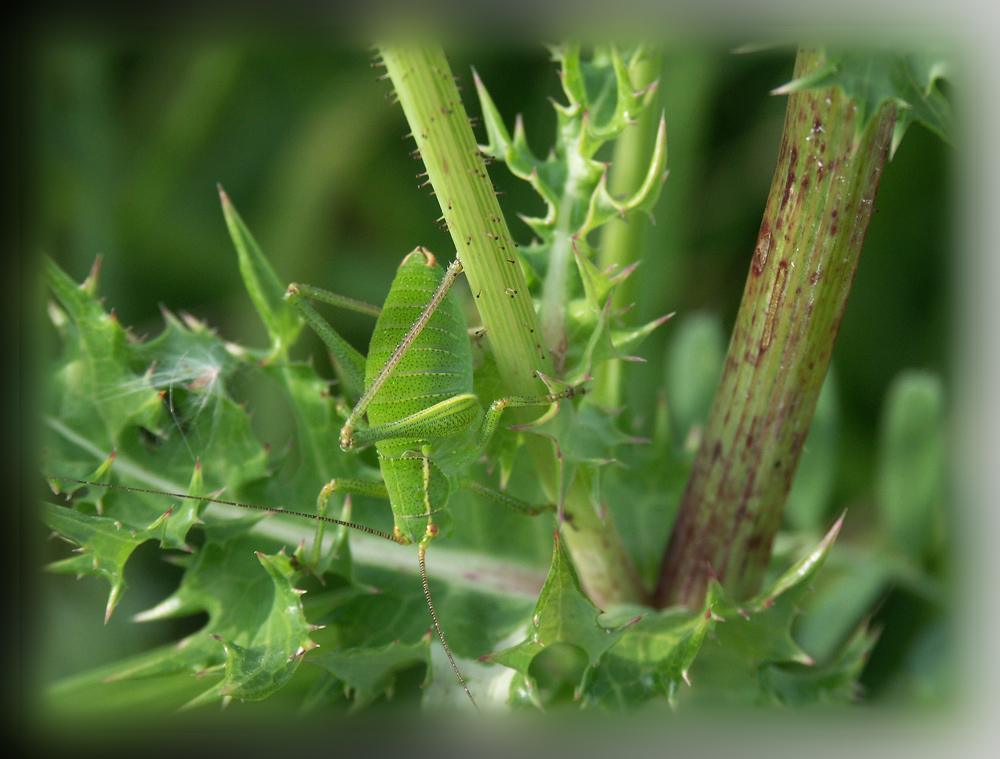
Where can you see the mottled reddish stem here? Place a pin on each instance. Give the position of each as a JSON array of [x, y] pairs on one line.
[[800, 275]]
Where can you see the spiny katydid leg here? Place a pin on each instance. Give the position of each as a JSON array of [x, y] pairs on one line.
[[448, 417], [347, 433]]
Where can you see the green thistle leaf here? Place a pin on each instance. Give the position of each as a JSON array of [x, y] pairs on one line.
[[371, 672], [563, 615], [875, 76], [258, 667]]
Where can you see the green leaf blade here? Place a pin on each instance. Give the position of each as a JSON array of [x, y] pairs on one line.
[[265, 289], [911, 474], [563, 615]]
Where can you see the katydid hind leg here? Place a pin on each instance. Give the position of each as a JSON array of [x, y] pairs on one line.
[[421, 550], [443, 419], [347, 434]]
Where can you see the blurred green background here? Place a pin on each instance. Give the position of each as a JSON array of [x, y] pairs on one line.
[[130, 137]]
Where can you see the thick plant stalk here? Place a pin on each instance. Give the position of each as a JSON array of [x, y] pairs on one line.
[[456, 169], [800, 275], [425, 88]]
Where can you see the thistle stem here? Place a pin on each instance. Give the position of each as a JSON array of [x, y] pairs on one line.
[[425, 87], [800, 275]]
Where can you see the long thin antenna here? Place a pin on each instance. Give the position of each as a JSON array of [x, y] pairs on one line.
[[206, 499], [421, 550]]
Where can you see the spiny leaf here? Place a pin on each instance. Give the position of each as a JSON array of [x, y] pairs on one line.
[[257, 668], [105, 546], [873, 76], [514, 152], [155, 403], [728, 653], [833, 682], [263, 285], [595, 436], [87, 380], [151, 401], [751, 638], [591, 338], [371, 672], [652, 660], [603, 207], [600, 90], [563, 615]]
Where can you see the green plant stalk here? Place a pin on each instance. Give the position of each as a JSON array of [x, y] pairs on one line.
[[622, 241], [456, 171], [805, 258], [425, 87]]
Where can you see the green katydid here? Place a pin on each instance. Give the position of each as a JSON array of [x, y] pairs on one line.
[[416, 388]]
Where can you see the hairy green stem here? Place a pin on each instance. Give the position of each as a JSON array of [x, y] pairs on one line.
[[800, 275], [456, 170]]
